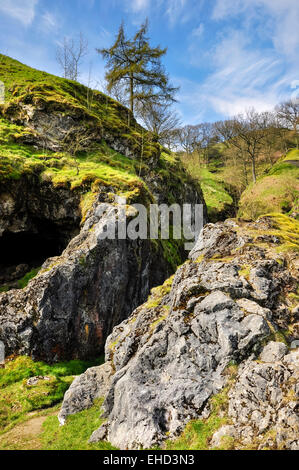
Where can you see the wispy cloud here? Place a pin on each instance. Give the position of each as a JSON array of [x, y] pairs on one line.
[[49, 22], [242, 77], [175, 9], [138, 6], [282, 18], [21, 10]]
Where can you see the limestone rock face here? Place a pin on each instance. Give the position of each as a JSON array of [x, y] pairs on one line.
[[55, 126], [85, 389], [69, 309], [170, 356], [71, 306], [274, 351], [265, 398]]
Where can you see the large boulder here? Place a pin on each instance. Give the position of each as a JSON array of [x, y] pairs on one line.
[[170, 356], [85, 389]]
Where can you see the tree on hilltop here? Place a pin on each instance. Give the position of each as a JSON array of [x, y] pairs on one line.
[[136, 66]]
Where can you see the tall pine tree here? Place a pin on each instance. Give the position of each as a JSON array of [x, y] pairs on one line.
[[137, 67]]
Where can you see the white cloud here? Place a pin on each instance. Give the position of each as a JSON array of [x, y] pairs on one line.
[[174, 9], [49, 22], [282, 17], [21, 10], [138, 5], [242, 77]]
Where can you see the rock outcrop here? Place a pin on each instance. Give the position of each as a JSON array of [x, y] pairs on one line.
[[264, 402], [171, 355], [70, 152], [68, 310], [85, 389]]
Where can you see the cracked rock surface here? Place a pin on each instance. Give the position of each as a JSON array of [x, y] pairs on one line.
[[170, 356]]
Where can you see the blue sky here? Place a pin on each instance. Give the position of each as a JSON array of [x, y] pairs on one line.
[[226, 55]]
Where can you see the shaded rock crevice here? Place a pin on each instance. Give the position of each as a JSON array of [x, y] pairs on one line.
[[68, 310]]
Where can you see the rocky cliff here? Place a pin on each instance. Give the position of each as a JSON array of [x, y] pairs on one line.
[[222, 326], [67, 154]]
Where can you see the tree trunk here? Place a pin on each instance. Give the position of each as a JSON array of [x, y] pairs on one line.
[[253, 169], [132, 93], [245, 172]]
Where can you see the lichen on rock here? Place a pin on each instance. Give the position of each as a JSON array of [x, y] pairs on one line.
[[164, 376]]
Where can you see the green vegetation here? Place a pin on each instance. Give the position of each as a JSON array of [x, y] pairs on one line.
[[17, 398], [245, 271], [157, 293], [287, 230], [292, 155], [97, 113], [102, 166], [33, 87], [74, 435], [27, 278], [277, 191], [219, 202]]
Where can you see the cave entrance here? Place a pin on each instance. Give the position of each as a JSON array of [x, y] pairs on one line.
[[22, 253]]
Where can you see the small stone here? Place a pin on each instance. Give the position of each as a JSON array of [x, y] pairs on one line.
[[273, 352], [99, 435], [34, 380], [224, 431]]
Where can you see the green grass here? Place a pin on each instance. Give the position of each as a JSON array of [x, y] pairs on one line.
[[74, 435], [17, 398], [29, 86], [216, 196], [158, 293], [292, 155], [27, 278], [287, 230], [277, 192], [219, 202], [100, 166]]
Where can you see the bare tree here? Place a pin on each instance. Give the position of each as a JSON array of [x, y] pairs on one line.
[[161, 120], [76, 140], [70, 54], [288, 114], [247, 133], [204, 136], [188, 138]]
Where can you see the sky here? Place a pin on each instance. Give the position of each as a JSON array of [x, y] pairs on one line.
[[225, 55]]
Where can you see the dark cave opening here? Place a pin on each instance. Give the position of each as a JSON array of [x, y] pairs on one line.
[[21, 252]]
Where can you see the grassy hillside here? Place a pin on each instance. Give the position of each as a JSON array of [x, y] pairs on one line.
[[23, 149], [18, 397], [25, 86], [276, 191], [28, 411], [220, 204]]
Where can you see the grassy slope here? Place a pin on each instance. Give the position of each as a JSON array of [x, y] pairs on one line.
[[17, 399], [292, 155], [99, 168], [102, 165], [33, 87], [278, 191], [21, 403], [219, 202]]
